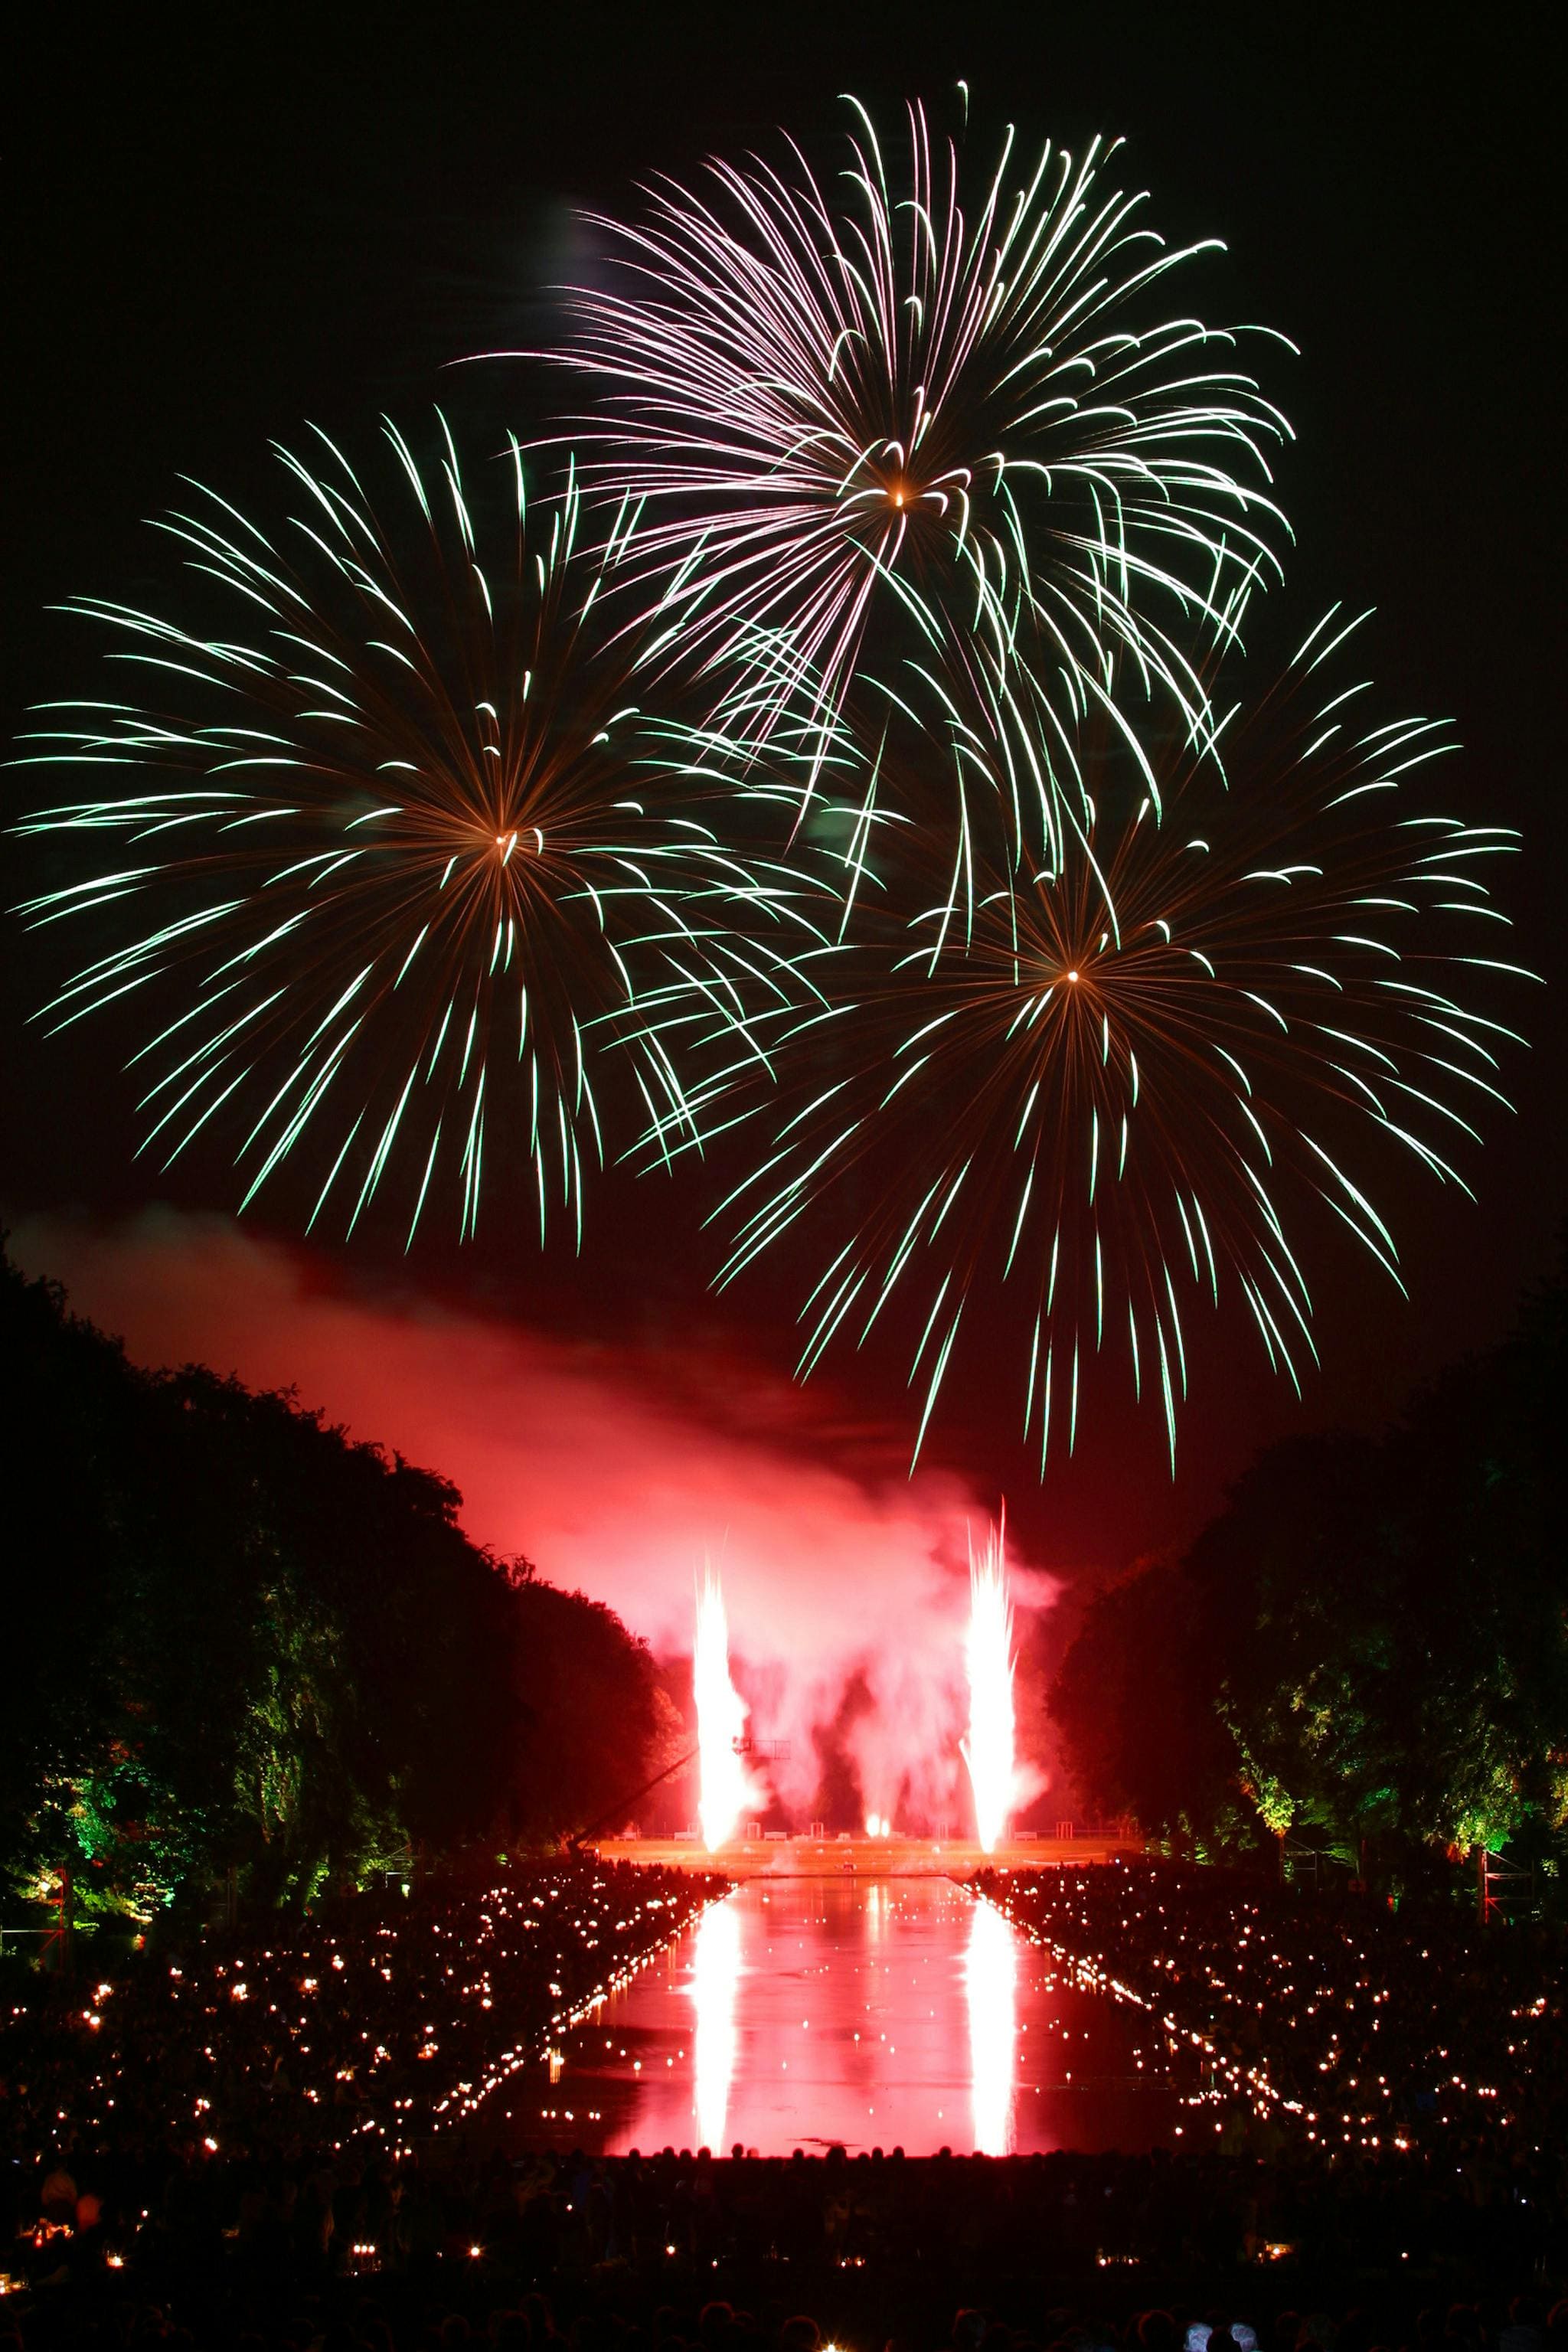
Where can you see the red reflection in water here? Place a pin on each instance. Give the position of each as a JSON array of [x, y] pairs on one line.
[[715, 1978], [991, 1983], [891, 2013]]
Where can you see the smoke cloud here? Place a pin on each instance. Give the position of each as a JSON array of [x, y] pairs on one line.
[[620, 1471]]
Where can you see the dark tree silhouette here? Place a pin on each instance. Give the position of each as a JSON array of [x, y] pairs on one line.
[[1370, 1644], [246, 1642]]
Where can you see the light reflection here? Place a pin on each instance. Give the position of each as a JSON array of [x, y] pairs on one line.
[[715, 1981], [920, 2020], [990, 1981]]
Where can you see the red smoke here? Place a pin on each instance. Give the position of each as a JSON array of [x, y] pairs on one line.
[[618, 1471]]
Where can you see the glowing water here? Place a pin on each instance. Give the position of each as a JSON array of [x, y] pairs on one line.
[[901, 2011], [715, 1981], [990, 1985], [988, 1657]]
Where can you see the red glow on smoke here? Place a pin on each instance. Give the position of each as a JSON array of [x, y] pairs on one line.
[[617, 1472]]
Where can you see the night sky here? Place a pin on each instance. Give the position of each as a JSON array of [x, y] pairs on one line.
[[215, 236]]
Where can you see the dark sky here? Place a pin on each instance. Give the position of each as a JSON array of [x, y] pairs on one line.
[[213, 235]]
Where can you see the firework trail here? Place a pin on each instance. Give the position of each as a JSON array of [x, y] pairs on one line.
[[988, 1659], [1057, 987], [962, 408], [726, 1787], [1101, 1084], [386, 882]]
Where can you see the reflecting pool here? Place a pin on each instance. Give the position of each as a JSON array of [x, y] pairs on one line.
[[887, 2013]]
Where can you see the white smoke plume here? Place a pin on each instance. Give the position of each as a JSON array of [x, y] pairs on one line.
[[618, 1471]]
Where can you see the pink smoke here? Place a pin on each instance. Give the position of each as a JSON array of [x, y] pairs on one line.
[[617, 1472]]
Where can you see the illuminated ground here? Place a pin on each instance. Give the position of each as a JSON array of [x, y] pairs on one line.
[[887, 1857]]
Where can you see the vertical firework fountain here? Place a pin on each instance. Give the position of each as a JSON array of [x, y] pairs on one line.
[[988, 1656], [726, 1787]]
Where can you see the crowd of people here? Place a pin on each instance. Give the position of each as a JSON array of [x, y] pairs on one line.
[[368, 2030], [1338, 2019], [281, 2243], [386, 2018], [299, 2142]]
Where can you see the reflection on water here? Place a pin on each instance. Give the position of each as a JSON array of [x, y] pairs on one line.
[[991, 1984], [893, 2012], [715, 1979]]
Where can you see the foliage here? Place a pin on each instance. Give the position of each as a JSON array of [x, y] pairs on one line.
[[1369, 1647], [245, 1642], [578, 1670]]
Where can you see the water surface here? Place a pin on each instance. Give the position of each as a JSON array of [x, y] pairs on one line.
[[801, 2012]]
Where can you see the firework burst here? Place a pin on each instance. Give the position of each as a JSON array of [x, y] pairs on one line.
[[1103, 1085], [379, 864], [972, 417]]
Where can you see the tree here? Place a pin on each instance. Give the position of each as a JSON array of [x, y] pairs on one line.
[[1370, 1643], [247, 1642], [598, 1721]]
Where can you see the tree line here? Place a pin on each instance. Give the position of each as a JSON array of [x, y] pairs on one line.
[[1368, 1650], [244, 1649]]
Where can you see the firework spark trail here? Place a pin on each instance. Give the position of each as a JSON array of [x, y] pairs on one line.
[[1100, 1084], [1053, 985], [989, 1751], [724, 1782], [967, 413], [390, 873]]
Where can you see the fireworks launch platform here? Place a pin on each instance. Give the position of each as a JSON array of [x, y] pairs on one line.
[[780, 1856]]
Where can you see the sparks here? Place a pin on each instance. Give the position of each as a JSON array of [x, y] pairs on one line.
[[318, 886], [721, 1712], [989, 1661], [915, 393], [1077, 1095]]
